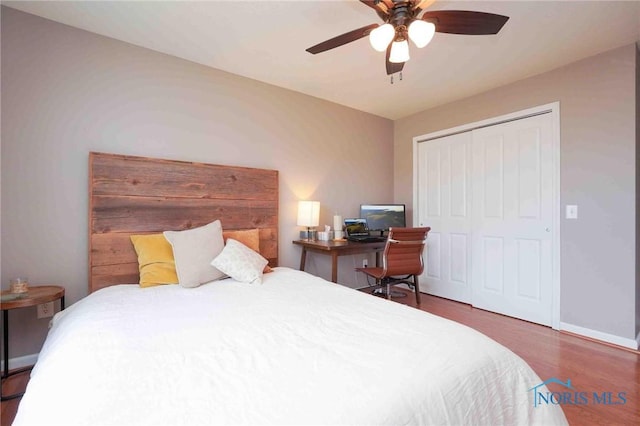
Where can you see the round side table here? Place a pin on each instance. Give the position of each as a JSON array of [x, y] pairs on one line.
[[36, 295]]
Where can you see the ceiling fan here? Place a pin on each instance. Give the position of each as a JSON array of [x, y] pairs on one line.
[[404, 20]]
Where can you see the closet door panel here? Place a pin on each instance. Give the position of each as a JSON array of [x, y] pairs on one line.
[[443, 204], [512, 219]]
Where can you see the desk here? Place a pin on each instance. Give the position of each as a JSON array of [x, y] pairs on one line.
[[35, 296], [338, 248]]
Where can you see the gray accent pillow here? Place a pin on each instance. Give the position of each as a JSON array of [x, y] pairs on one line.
[[193, 251]]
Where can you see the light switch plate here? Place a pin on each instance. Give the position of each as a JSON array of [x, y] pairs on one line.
[[572, 211]]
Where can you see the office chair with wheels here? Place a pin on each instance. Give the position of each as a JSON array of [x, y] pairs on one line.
[[401, 260]]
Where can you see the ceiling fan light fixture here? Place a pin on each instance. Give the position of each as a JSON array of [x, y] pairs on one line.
[[399, 52], [421, 32], [381, 37]]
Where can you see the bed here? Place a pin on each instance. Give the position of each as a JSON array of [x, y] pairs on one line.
[[293, 349]]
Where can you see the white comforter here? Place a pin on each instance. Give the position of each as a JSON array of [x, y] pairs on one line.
[[293, 350]]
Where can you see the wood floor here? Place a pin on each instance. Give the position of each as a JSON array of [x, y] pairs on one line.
[[591, 366], [13, 384]]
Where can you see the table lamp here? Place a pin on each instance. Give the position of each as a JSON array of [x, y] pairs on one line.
[[309, 215]]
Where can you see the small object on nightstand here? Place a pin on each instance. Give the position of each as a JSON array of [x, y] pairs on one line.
[[12, 296], [18, 285]]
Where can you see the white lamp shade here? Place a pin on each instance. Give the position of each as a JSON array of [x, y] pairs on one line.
[[421, 32], [399, 52], [308, 213], [381, 37]]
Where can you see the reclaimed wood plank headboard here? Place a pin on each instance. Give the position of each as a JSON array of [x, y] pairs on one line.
[[138, 195]]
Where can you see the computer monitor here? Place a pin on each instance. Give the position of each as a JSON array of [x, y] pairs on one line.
[[381, 217]]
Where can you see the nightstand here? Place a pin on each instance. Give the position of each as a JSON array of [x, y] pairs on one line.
[[35, 296]]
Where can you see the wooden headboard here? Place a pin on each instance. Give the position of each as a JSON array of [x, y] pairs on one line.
[[138, 195]]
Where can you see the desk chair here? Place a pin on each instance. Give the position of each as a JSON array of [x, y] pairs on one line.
[[401, 260]]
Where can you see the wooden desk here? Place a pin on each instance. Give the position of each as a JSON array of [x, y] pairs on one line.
[[338, 248]]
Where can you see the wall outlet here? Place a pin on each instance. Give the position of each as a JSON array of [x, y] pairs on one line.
[[365, 263], [45, 310]]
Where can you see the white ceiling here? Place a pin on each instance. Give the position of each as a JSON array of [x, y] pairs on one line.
[[266, 40]]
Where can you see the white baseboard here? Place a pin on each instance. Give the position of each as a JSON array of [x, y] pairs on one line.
[[21, 361], [599, 335]]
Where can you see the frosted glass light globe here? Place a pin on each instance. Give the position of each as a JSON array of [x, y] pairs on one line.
[[399, 52], [381, 37], [421, 32]]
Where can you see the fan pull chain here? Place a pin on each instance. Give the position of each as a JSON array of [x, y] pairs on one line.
[[400, 77]]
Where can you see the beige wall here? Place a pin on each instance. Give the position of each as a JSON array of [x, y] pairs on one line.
[[598, 173], [66, 92]]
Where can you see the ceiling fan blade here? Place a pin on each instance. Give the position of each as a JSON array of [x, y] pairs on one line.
[[423, 4], [465, 22], [392, 67], [381, 8], [342, 39]]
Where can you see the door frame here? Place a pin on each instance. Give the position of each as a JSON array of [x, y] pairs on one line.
[[552, 108]]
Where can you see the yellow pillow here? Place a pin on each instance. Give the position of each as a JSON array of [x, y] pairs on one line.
[[155, 260], [248, 237]]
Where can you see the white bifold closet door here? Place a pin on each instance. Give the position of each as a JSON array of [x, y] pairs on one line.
[[488, 196], [444, 182]]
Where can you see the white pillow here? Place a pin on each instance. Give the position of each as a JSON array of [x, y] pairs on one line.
[[193, 251], [240, 262]]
